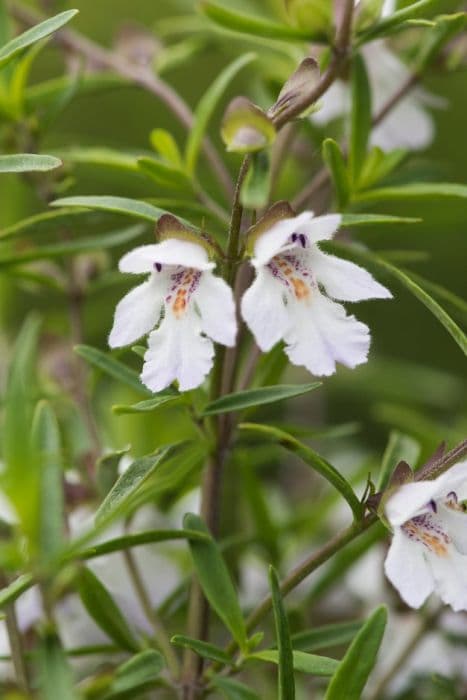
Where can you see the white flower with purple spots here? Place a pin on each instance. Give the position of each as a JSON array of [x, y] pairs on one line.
[[187, 306], [427, 553], [291, 298]]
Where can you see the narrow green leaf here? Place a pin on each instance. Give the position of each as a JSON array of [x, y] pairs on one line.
[[47, 443], [257, 397], [215, 581], [284, 645], [164, 174], [446, 27], [360, 118], [79, 245], [358, 255], [15, 589], [164, 143], [255, 190], [458, 305], [112, 367], [104, 611], [45, 222], [396, 19], [234, 690], [28, 162], [327, 636], [54, 673], [31, 36], [207, 105], [137, 539], [203, 649], [310, 457], [306, 663], [147, 406], [137, 675], [400, 447], [120, 205], [357, 664], [130, 482], [248, 24], [334, 159], [101, 156], [414, 190], [350, 220]]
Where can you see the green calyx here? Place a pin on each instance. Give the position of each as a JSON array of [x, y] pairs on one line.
[[279, 211], [168, 226], [246, 128]]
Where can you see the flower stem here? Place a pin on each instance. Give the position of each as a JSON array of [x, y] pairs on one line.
[[16, 648]]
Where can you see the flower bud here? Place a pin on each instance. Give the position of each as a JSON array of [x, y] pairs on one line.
[[302, 80], [246, 128]]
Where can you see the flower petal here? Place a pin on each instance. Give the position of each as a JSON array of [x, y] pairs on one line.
[[268, 244], [173, 251], [214, 299], [455, 523], [409, 500], [321, 334], [264, 311], [177, 351], [320, 228], [450, 574], [344, 280], [138, 312], [408, 571]]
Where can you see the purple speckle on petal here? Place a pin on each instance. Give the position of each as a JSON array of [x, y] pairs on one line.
[[433, 506], [158, 266], [302, 239], [452, 496]]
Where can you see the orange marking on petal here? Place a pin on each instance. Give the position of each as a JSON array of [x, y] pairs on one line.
[[301, 290]]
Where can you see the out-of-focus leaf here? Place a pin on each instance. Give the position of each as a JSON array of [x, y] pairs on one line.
[[400, 447], [164, 174], [207, 105], [112, 367], [234, 690], [379, 164], [414, 190], [28, 162], [256, 187], [337, 166], [120, 205], [390, 23], [164, 143], [79, 245], [353, 671], [137, 539], [349, 220], [147, 406], [249, 24], [326, 636], [257, 499], [306, 663], [13, 591], [311, 458], [105, 157], [458, 305], [251, 398], [47, 444], [284, 655], [55, 677], [31, 36], [174, 55], [216, 582], [137, 675], [104, 611], [45, 222], [446, 27], [360, 118], [203, 649]]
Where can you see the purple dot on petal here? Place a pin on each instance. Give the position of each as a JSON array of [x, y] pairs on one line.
[[158, 266], [302, 239]]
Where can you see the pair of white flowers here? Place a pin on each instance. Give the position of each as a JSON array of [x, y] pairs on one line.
[[185, 308]]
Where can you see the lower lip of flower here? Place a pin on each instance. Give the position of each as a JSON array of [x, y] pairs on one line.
[[184, 283], [424, 529]]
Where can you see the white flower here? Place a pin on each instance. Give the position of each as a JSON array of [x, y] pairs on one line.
[[408, 124], [285, 301], [430, 539], [182, 298]]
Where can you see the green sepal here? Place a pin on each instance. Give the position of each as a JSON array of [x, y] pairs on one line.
[[246, 128]]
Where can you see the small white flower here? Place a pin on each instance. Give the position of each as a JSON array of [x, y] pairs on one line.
[[408, 125], [285, 302], [189, 307], [430, 539]]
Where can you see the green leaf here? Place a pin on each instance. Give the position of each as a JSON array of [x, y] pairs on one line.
[[28, 162], [164, 174], [458, 305], [164, 143], [147, 406], [446, 27], [400, 447], [357, 664], [137, 675], [80, 245], [203, 649], [112, 367], [31, 36], [216, 582], [251, 398], [137, 539], [15, 589], [334, 159], [349, 220], [357, 255], [104, 611], [390, 23], [234, 690], [44, 223], [54, 673], [129, 484], [306, 663], [255, 190], [360, 118], [101, 156], [284, 645], [207, 105], [414, 190], [120, 205], [310, 457], [327, 636], [47, 443]]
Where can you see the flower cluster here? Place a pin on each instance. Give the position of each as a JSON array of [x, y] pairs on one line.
[[185, 307]]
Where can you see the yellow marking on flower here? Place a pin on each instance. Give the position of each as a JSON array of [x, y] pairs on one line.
[[301, 290]]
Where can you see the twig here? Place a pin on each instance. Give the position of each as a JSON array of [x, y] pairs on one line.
[[16, 648], [104, 58]]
